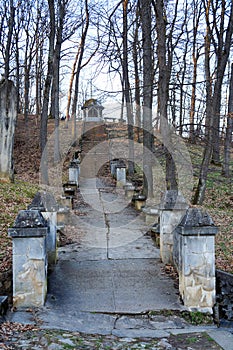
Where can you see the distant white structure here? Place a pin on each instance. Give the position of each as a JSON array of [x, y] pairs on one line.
[[92, 110]]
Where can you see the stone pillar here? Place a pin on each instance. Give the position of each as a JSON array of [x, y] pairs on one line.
[[29, 259], [151, 215], [195, 259], [69, 189], [121, 175], [129, 190], [8, 115], [172, 209], [47, 205], [139, 201], [113, 165], [74, 171]]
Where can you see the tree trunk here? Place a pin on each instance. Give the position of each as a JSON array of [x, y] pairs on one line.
[[137, 78], [55, 100], [127, 96], [56, 78], [39, 63], [229, 129], [193, 102], [44, 114], [71, 85], [79, 68], [195, 55], [164, 63], [8, 115], [11, 23], [213, 103], [17, 79], [148, 137]]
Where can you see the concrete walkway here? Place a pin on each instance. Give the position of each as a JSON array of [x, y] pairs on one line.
[[114, 267], [110, 280]]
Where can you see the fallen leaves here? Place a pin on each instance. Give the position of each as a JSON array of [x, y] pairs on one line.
[[9, 329]]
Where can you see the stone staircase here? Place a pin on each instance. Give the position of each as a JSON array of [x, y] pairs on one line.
[[94, 146]]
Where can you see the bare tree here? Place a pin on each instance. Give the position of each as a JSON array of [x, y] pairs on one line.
[[61, 14], [77, 66], [30, 33], [197, 11], [136, 57], [148, 140], [165, 50], [219, 38], [213, 100], [127, 90], [46, 95], [229, 129], [10, 24]]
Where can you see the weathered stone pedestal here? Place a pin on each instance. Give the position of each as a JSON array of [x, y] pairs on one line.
[[47, 205], [139, 201], [194, 256], [151, 215], [8, 98], [172, 209], [121, 175], [29, 259], [129, 190], [70, 188], [113, 165], [74, 171]]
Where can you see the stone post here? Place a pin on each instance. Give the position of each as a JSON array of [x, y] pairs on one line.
[[129, 190], [113, 165], [74, 171], [151, 214], [29, 259], [121, 175], [8, 115], [172, 209], [139, 201], [195, 260], [47, 205]]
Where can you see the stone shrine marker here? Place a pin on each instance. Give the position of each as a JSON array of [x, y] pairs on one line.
[[8, 115]]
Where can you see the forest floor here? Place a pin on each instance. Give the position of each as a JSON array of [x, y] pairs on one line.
[[16, 196]]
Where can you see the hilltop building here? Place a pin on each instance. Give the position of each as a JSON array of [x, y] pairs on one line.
[[92, 110]]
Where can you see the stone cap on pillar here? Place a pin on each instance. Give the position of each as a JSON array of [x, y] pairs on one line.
[[173, 200], [139, 197], [197, 222], [74, 163], [120, 164], [43, 201], [29, 223]]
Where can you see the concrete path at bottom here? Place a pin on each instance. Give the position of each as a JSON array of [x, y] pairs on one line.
[[111, 280]]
